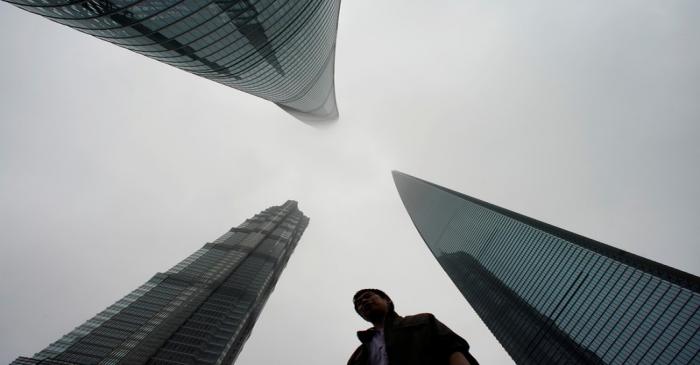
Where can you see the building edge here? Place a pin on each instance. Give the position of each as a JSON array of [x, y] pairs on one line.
[[671, 274]]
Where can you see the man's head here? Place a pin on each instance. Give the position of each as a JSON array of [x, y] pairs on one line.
[[372, 304]]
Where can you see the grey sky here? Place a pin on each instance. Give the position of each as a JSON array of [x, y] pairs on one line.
[[113, 166]]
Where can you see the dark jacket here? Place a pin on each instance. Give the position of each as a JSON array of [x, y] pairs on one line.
[[414, 340]]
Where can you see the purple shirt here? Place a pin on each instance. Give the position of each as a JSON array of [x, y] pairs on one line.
[[377, 349]]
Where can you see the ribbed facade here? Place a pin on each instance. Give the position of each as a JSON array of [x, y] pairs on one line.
[[282, 51], [199, 312], [551, 296]]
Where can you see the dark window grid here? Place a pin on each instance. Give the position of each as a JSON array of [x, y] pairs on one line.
[[209, 316], [540, 276], [110, 332], [600, 309], [584, 265], [609, 316], [644, 342], [203, 266], [180, 355], [210, 257], [312, 63], [593, 269], [472, 235], [73, 11], [529, 263], [546, 351], [614, 331], [687, 348], [551, 319], [204, 47], [128, 318], [173, 357], [594, 300], [72, 358], [225, 298], [78, 13], [655, 301], [545, 281], [511, 264], [170, 24], [673, 311], [44, 4], [169, 287], [200, 267], [499, 323], [103, 339], [509, 248], [104, 27], [684, 328], [633, 300], [138, 312], [267, 86], [523, 267], [300, 24], [674, 344], [91, 346], [159, 296], [681, 320], [193, 332], [216, 305], [103, 19], [451, 242], [212, 312], [486, 252], [121, 325], [145, 306], [443, 243], [565, 275], [635, 317], [89, 350], [195, 341], [197, 326], [692, 359], [198, 318], [144, 16], [159, 289], [466, 228]]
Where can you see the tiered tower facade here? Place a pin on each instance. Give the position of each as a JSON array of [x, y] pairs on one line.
[[199, 312]]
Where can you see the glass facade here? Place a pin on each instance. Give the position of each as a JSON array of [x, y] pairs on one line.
[[199, 312], [552, 296], [282, 51]]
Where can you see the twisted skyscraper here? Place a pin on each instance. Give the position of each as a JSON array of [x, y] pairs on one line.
[[199, 312], [281, 51]]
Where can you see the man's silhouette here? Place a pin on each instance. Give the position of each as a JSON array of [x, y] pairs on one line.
[[412, 340]]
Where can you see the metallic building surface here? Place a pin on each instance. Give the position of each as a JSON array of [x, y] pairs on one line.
[[199, 312], [282, 51], [552, 296]]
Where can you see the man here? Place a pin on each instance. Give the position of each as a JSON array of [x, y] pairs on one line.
[[411, 340]]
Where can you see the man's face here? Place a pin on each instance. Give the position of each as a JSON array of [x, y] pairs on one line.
[[371, 306]]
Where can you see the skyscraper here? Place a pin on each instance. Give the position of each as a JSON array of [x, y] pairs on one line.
[[199, 312], [552, 296], [281, 51]]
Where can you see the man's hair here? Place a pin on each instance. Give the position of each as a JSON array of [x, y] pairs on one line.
[[375, 291]]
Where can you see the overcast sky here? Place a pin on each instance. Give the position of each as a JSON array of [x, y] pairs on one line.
[[585, 115]]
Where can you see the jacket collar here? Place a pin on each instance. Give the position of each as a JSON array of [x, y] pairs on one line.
[[366, 335]]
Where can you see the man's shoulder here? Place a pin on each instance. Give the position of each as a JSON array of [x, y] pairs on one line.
[[416, 320], [357, 355]]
